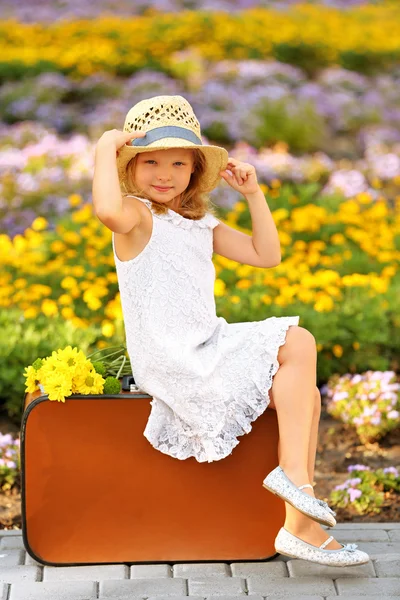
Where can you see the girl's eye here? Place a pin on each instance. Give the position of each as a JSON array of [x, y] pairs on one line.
[[151, 161]]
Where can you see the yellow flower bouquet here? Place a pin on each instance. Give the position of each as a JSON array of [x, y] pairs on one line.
[[68, 371]]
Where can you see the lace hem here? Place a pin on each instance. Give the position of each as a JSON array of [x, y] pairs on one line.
[[207, 221], [168, 435]]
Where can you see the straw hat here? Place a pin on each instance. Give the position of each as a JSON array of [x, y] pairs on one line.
[[169, 122]]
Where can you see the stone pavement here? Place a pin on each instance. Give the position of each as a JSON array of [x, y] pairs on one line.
[[22, 578]]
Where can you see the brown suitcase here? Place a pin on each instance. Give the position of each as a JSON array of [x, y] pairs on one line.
[[94, 490]]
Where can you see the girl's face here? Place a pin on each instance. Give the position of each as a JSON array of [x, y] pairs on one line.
[[169, 169]]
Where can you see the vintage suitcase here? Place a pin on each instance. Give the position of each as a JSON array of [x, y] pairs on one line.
[[95, 491]]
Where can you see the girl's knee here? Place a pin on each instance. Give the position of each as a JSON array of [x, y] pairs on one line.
[[299, 343]]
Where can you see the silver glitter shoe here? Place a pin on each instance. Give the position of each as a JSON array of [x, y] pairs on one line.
[[279, 484], [290, 545]]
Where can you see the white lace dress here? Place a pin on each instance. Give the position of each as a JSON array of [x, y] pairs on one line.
[[209, 379]]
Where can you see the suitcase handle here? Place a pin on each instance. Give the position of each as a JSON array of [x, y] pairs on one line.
[[127, 381]]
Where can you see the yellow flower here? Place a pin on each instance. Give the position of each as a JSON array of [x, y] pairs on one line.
[[107, 329], [49, 307], [39, 224], [87, 381], [83, 215], [324, 304], [31, 313], [281, 301], [219, 287], [57, 246], [378, 284], [356, 345], [275, 183], [31, 379], [243, 284], [376, 183], [68, 282], [234, 299], [306, 295], [75, 199], [388, 271], [72, 237], [240, 206], [67, 313], [72, 357], [280, 214], [337, 350], [364, 197], [58, 386], [338, 239]]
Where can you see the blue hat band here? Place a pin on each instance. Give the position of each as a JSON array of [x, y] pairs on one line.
[[167, 131]]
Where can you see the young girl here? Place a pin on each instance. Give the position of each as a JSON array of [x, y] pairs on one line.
[[209, 379]]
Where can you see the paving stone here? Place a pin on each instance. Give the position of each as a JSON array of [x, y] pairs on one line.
[[362, 535], [267, 569], [361, 586], [11, 558], [200, 570], [301, 596], [182, 598], [20, 573], [301, 568], [217, 586], [4, 591], [394, 535], [143, 587], [387, 567], [54, 590], [193, 598], [377, 549], [12, 542], [31, 561], [391, 525], [354, 597], [8, 532], [148, 571], [173, 597], [85, 573], [290, 586], [279, 558]]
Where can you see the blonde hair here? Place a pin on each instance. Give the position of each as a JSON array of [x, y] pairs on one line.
[[194, 204]]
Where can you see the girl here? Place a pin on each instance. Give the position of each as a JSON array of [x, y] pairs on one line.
[[209, 379]]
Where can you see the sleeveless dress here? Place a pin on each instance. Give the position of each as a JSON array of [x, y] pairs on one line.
[[209, 379]]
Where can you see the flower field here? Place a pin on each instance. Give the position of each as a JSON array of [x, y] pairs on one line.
[[308, 94]]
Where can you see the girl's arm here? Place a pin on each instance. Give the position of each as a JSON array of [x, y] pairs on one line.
[[106, 193], [117, 213]]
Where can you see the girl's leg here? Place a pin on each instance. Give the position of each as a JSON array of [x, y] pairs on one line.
[[297, 400]]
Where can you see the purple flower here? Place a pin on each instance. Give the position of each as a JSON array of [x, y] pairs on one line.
[[354, 481], [391, 470], [353, 493], [357, 468], [342, 486], [393, 414]]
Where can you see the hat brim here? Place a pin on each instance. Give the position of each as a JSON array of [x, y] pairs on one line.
[[216, 156]]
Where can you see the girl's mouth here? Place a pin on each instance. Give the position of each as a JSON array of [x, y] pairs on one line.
[[160, 189]]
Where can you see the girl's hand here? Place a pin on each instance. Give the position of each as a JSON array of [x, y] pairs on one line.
[[117, 138], [243, 178]]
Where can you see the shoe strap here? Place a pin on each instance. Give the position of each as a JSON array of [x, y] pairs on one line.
[[300, 487], [326, 542]]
